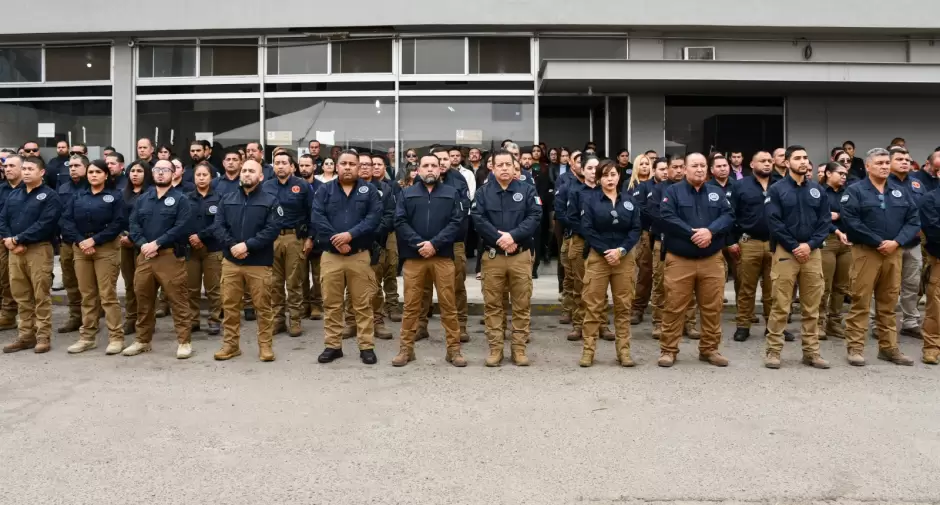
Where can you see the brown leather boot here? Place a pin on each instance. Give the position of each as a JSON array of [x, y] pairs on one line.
[[422, 334], [495, 358], [931, 357], [575, 335], [72, 325], [381, 331], [455, 358], [227, 352], [316, 312], [666, 359], [607, 335], [565, 318], [895, 356], [772, 360], [636, 318], [714, 358], [405, 356], [518, 356], [279, 327], [20, 344], [464, 336], [42, 345], [625, 359], [7, 323], [816, 361], [394, 314], [587, 358], [265, 351]]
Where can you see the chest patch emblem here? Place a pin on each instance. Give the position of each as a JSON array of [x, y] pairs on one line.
[[41, 196], [363, 189], [517, 197], [628, 205], [896, 194], [522, 177], [915, 184], [814, 192], [280, 211], [844, 198], [713, 197], [295, 189], [107, 198], [213, 209], [169, 202]]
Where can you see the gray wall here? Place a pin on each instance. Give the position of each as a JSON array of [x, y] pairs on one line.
[[138, 16], [647, 123]]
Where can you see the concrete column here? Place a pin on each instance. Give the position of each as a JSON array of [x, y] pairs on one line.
[[123, 110], [647, 123]]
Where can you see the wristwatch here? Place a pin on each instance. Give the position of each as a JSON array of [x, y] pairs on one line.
[[623, 252]]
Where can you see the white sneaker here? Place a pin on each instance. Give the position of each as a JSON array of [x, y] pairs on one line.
[[136, 348], [114, 347], [184, 351], [82, 346]]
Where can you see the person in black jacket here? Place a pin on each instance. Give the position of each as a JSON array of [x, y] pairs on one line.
[[428, 218], [930, 224], [205, 262], [247, 224]]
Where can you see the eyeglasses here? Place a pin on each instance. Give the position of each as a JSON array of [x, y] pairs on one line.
[[25, 150], [77, 153], [411, 155], [842, 174], [843, 160], [162, 170]]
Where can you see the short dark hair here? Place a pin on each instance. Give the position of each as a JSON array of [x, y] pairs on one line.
[[83, 147], [204, 164], [109, 148], [118, 156], [148, 139], [439, 149], [674, 157], [503, 152], [305, 157], [381, 157], [348, 151], [651, 151], [37, 160], [792, 149], [848, 143], [897, 141], [507, 141], [896, 150], [659, 160], [231, 150], [429, 155]]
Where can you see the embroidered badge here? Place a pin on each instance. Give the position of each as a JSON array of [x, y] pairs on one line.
[[713, 197], [896, 194], [363, 189], [295, 189], [107, 198], [628, 205], [41, 196], [280, 211], [517, 197], [213, 209], [814, 192], [169, 201]]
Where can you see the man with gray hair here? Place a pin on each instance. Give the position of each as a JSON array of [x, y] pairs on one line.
[[878, 217]]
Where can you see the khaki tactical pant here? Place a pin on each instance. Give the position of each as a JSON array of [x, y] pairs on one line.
[[30, 282], [377, 298], [598, 274], [235, 280], [705, 277], [576, 260], [500, 274], [7, 303], [460, 290], [97, 281], [415, 274], [311, 286], [390, 273], [931, 328], [169, 272], [567, 285], [337, 274], [287, 270], [786, 272], [873, 274], [755, 265], [128, 268], [836, 264], [205, 268], [643, 253], [74, 296], [658, 297]]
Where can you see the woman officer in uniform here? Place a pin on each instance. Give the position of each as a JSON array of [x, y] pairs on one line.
[[836, 255], [92, 221], [611, 226], [139, 178], [205, 260]]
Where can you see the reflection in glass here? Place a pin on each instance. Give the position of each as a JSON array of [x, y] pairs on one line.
[[471, 122], [177, 122], [433, 56], [362, 56], [88, 121], [21, 64], [293, 56], [360, 123], [78, 63], [500, 55], [168, 61], [578, 48], [228, 57]]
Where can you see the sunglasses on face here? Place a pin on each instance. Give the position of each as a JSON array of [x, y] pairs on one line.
[[411, 155], [30, 150], [77, 153]]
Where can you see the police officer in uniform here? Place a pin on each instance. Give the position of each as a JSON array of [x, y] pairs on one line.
[[389, 278], [507, 214], [911, 255], [611, 225], [753, 244], [562, 185], [92, 221], [694, 217], [799, 220], [247, 224], [376, 253], [295, 197], [313, 297], [205, 260], [675, 171], [878, 218], [27, 228], [720, 179], [78, 164], [159, 226], [346, 213], [644, 253], [13, 179], [228, 182], [836, 256], [930, 224], [428, 218]]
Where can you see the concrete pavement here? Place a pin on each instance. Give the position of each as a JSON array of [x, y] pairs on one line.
[[156, 430]]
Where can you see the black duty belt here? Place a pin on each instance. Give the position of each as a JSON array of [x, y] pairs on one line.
[[494, 252], [288, 231]]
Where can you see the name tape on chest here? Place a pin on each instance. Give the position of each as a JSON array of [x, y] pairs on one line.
[[713, 197], [107, 198], [170, 201], [517, 197], [813, 192]]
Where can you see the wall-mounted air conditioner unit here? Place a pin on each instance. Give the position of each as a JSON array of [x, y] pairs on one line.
[[699, 53]]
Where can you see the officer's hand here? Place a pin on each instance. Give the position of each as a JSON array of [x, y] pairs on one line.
[[735, 252], [239, 250], [426, 250], [843, 237], [701, 237], [341, 239], [19, 250], [505, 241], [835, 216], [308, 246], [126, 241], [194, 241], [8, 243], [149, 250], [612, 256], [88, 243], [89, 251], [512, 249], [802, 252], [887, 247], [344, 249]]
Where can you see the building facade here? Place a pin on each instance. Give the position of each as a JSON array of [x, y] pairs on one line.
[[674, 76]]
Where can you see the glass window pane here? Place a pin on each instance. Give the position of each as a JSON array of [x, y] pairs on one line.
[[472, 122], [433, 56], [88, 121], [228, 57], [176, 122], [78, 63], [361, 123], [362, 56], [611, 48], [500, 55], [293, 56], [21, 65], [168, 61]]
